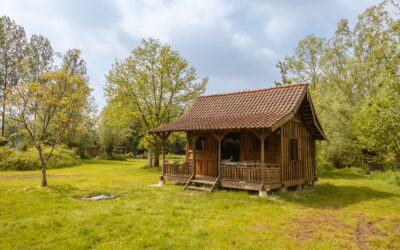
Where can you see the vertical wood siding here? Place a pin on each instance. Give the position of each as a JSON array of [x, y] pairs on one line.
[[304, 166]]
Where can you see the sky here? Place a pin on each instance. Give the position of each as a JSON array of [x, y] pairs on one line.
[[235, 43]]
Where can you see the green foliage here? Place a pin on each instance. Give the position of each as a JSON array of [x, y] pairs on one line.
[[113, 157], [157, 83], [391, 177], [180, 157], [355, 84], [115, 125], [11, 159], [12, 48]]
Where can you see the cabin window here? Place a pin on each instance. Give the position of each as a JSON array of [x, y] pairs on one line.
[[201, 144], [293, 149]]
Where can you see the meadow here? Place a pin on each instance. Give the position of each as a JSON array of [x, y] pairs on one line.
[[347, 209]]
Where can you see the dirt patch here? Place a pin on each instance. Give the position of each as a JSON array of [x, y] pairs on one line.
[[311, 227], [262, 227], [325, 226], [365, 229]]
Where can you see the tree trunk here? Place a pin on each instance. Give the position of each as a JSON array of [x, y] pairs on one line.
[[44, 177], [43, 163], [150, 157], [157, 158], [3, 116]]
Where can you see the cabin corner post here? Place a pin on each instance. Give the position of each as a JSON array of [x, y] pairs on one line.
[[194, 138], [262, 160]]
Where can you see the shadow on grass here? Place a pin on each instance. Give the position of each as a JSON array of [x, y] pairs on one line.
[[334, 197]]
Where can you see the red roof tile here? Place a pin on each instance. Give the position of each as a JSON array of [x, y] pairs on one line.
[[261, 108]]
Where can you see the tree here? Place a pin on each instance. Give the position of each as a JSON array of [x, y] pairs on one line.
[[75, 65], [45, 110], [39, 57], [157, 83], [115, 125], [304, 65], [12, 47], [355, 87]]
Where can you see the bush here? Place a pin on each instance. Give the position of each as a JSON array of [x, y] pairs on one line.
[[174, 157], [11, 159], [391, 177], [113, 157]]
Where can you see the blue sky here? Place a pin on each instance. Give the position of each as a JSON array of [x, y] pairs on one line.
[[235, 43]]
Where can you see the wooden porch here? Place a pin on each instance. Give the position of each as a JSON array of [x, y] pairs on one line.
[[238, 175]]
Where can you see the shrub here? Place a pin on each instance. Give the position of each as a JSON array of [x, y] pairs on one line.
[[11, 159], [113, 157], [175, 157], [391, 177]]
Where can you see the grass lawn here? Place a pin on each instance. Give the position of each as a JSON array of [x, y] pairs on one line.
[[346, 210]]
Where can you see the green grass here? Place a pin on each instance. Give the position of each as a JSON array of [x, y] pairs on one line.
[[346, 210]]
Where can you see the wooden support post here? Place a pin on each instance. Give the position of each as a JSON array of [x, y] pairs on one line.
[[262, 160], [194, 138], [219, 158], [163, 153], [219, 136]]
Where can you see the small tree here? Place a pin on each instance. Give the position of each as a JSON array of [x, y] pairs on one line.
[[12, 48], [156, 82], [46, 109]]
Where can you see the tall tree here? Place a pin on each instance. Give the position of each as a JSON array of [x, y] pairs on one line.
[[39, 57], [74, 64], [304, 64], [46, 110], [357, 94], [114, 127], [12, 48], [157, 83]]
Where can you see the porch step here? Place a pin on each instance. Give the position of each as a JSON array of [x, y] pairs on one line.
[[198, 188], [202, 183]]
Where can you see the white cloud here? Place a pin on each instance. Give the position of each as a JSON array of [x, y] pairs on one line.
[[150, 18], [242, 41], [278, 28]]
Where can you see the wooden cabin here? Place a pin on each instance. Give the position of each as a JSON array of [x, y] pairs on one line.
[[254, 140]]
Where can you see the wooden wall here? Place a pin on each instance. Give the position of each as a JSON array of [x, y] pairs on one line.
[[304, 166], [271, 150]]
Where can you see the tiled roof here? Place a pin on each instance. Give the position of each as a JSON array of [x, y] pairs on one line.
[[261, 108]]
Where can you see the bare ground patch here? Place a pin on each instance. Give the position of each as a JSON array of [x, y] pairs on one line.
[[365, 229], [327, 226]]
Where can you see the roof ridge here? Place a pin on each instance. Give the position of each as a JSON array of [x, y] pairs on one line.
[[256, 90]]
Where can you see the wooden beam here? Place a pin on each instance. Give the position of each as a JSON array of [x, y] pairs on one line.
[[219, 135], [262, 138], [195, 136]]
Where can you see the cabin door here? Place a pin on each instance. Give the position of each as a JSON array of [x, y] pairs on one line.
[[206, 160]]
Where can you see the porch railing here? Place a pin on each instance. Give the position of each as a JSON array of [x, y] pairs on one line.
[[250, 172], [178, 168], [231, 171]]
